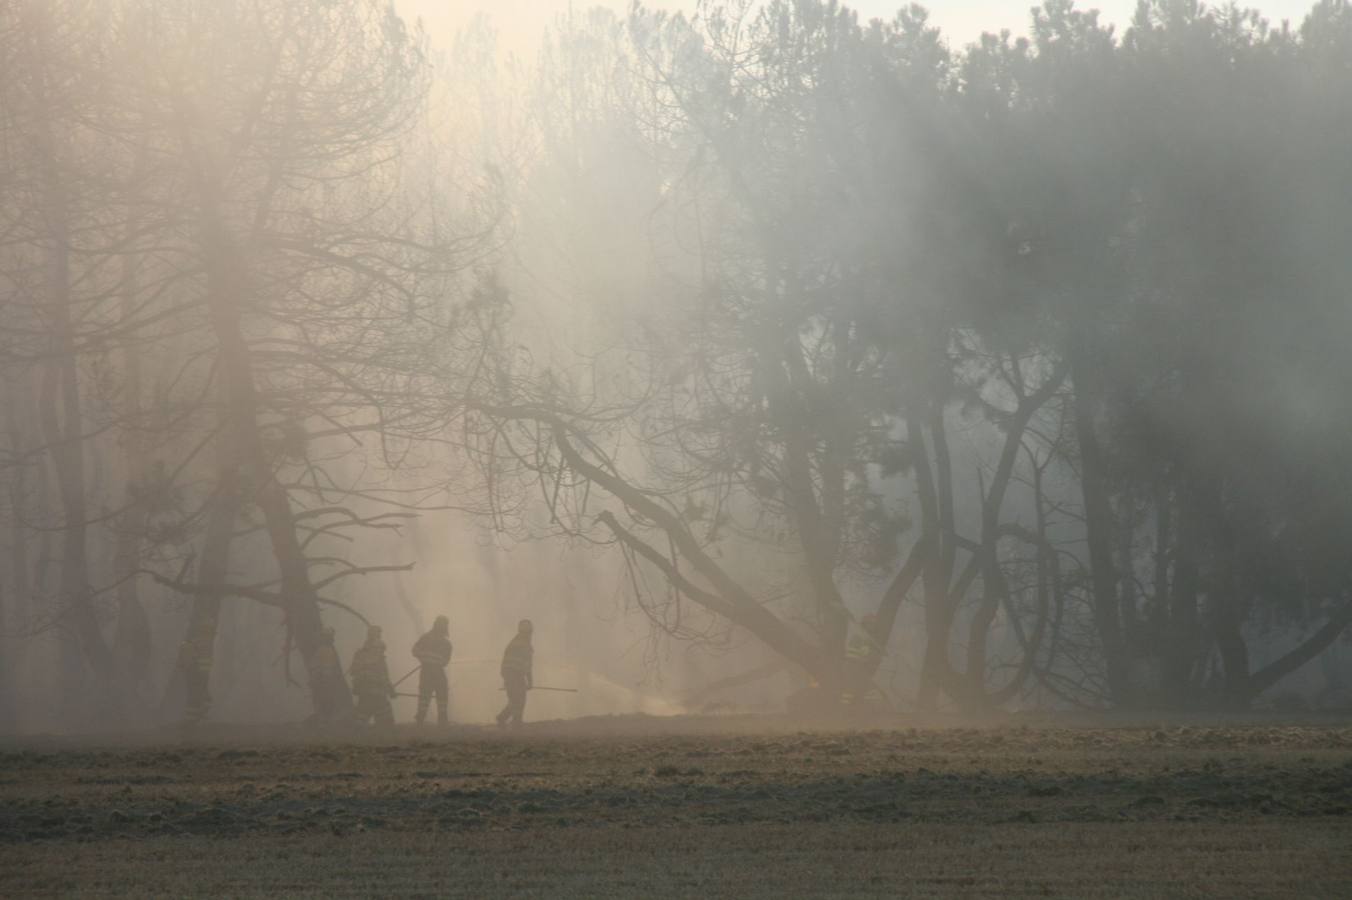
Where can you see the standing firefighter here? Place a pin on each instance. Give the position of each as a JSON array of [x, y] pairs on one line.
[[331, 697], [433, 651], [517, 662], [371, 680]]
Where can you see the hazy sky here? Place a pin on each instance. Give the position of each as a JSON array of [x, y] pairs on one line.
[[520, 21]]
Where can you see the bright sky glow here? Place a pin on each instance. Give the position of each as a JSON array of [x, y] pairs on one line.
[[520, 22]]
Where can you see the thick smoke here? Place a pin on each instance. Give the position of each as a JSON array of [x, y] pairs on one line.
[[763, 355]]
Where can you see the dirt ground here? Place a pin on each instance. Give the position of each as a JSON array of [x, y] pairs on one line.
[[688, 807]]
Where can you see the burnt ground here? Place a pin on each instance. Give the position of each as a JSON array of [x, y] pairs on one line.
[[689, 807]]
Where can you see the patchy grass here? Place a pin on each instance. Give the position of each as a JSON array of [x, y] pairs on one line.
[[640, 807]]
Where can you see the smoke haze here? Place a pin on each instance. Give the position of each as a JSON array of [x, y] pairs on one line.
[[766, 356]]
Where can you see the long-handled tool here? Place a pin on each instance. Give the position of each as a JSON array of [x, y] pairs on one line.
[[407, 677]]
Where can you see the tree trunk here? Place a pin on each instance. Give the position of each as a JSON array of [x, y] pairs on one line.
[[196, 659], [978, 634], [894, 596], [1184, 620], [131, 641], [1160, 600], [62, 426], [996, 589], [1227, 618], [227, 293], [1047, 586], [1127, 606], [15, 624], [938, 613], [818, 535], [64, 687], [1098, 525], [1311, 647], [726, 597]]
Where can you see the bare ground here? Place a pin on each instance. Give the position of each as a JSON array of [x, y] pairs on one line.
[[688, 807]]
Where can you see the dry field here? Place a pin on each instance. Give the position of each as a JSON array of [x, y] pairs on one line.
[[689, 807]]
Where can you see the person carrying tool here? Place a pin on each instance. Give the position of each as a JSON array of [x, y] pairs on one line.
[[433, 651], [517, 678], [332, 700], [371, 680]]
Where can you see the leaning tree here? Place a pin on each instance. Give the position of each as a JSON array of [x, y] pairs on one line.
[[808, 326]]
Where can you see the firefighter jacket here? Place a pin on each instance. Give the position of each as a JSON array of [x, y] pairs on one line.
[[370, 674], [518, 658], [433, 649]]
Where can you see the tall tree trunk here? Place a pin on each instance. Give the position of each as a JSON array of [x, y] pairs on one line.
[[938, 612], [1160, 599], [197, 654], [1126, 575], [1046, 587], [62, 421], [894, 596], [1184, 620], [1227, 617], [227, 292], [8, 696], [818, 535], [1098, 523], [64, 685], [15, 623], [996, 588], [131, 640]]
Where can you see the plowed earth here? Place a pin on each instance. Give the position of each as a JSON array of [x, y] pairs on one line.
[[716, 807]]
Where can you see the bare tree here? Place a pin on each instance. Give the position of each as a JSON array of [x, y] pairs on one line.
[[268, 245]]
